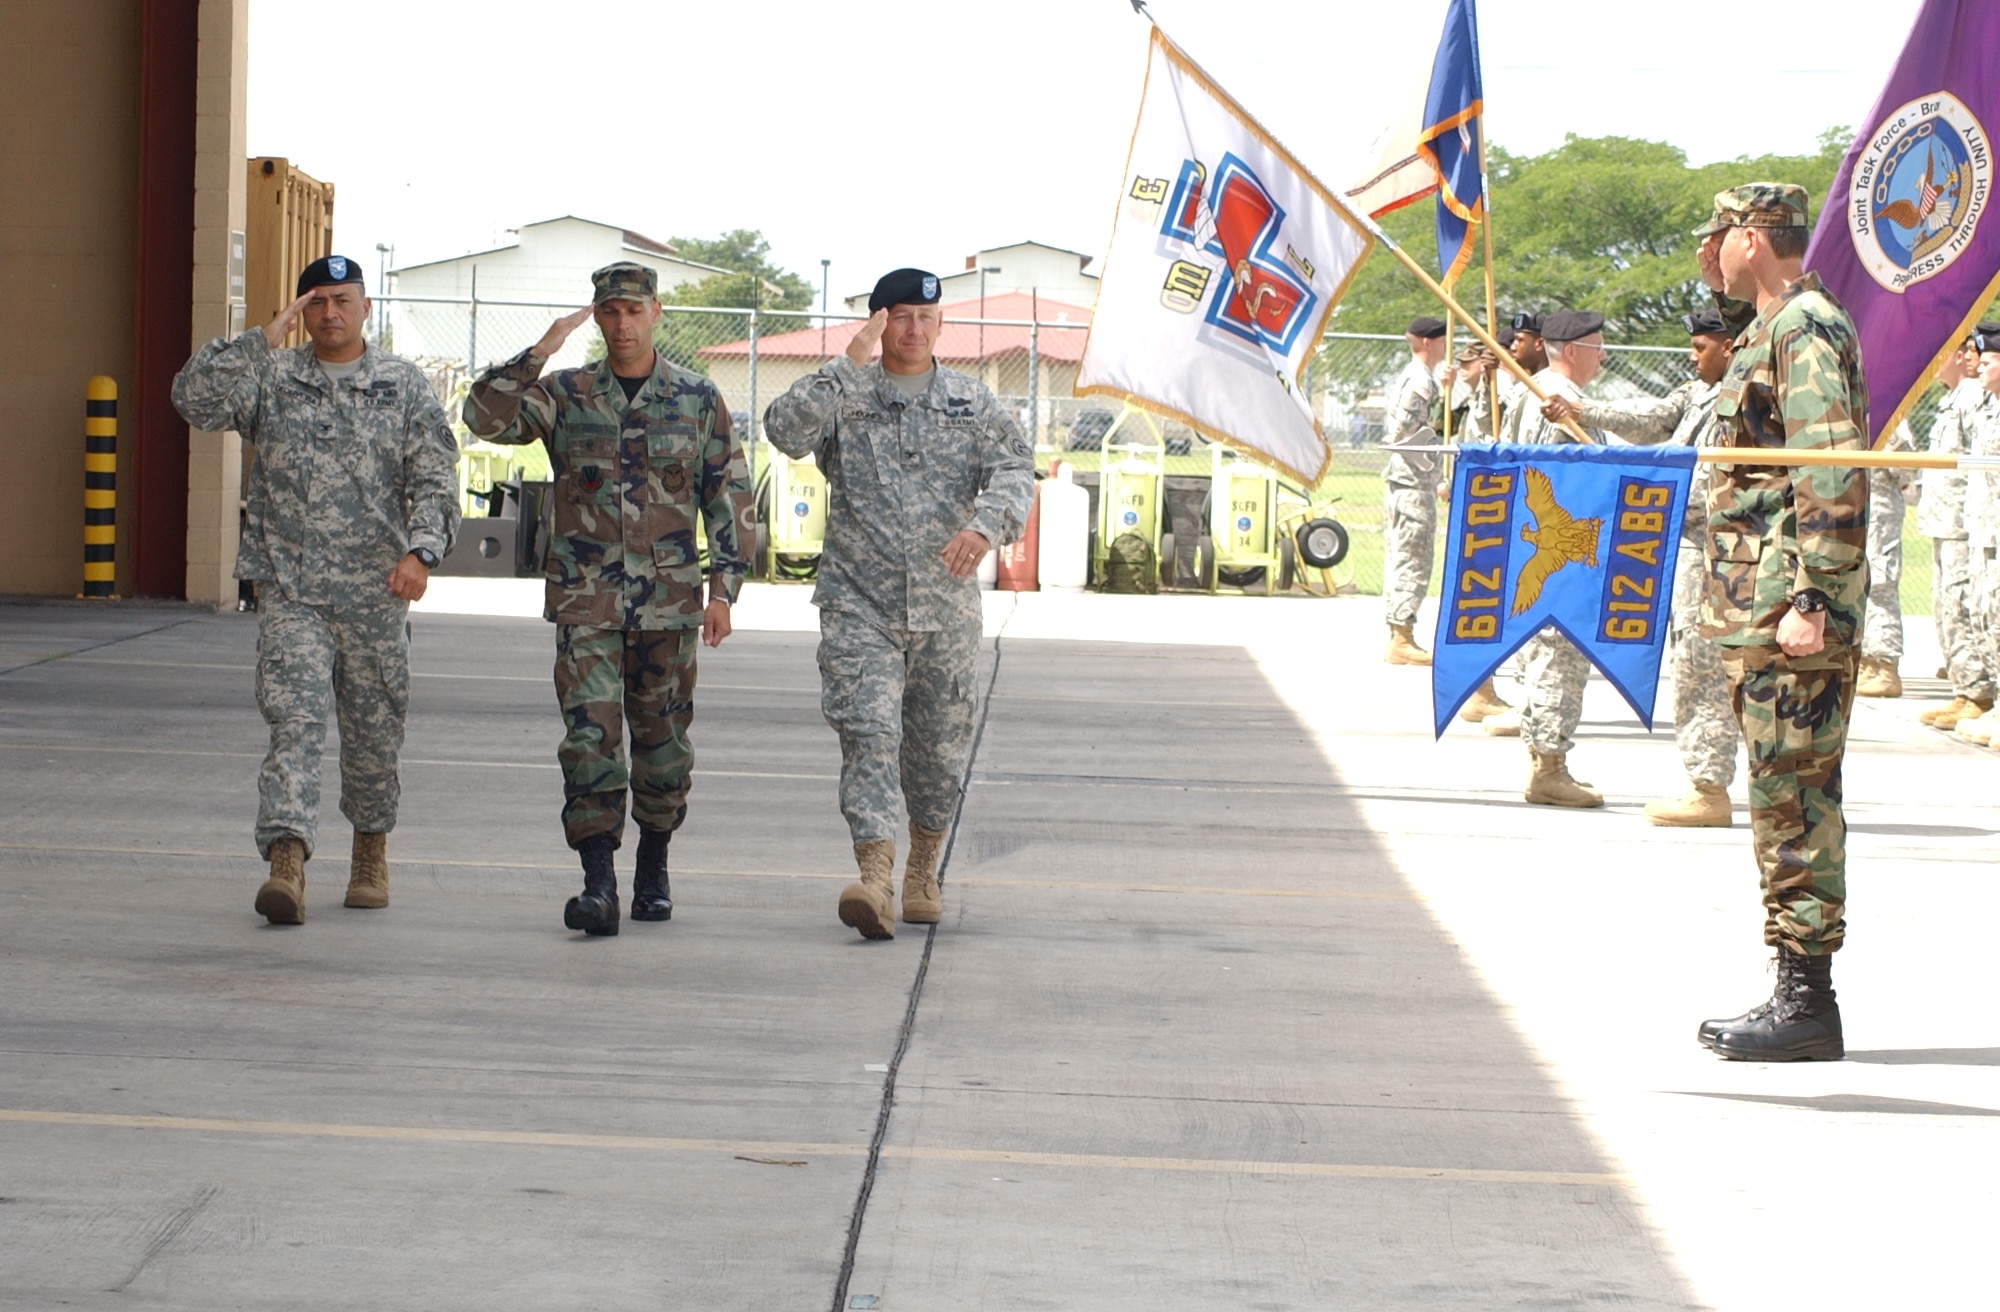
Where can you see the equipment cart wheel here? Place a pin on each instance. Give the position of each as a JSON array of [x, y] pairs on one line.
[[1322, 543], [1204, 562], [1288, 566], [1169, 577]]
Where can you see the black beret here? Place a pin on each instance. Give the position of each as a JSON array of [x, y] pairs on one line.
[[1426, 328], [1528, 323], [328, 272], [904, 287], [1571, 325], [1984, 342], [1505, 337], [1988, 328], [1708, 323]]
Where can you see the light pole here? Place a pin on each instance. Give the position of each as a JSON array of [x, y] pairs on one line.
[[984, 269], [383, 252], [824, 265]]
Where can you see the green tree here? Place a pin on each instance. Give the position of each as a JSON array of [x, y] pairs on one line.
[[1598, 223], [751, 276]]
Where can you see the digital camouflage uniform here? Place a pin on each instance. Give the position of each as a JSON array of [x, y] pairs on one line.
[[1409, 494], [1795, 381], [1888, 506], [624, 582], [1553, 671], [1705, 729], [899, 637], [1982, 518], [1941, 513], [348, 477]]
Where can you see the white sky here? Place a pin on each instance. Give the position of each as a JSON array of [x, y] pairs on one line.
[[879, 133]]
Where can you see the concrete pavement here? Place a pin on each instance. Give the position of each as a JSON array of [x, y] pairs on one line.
[[1248, 995]]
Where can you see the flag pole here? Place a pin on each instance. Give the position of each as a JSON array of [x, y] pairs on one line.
[[1486, 240], [1780, 455], [1450, 302]]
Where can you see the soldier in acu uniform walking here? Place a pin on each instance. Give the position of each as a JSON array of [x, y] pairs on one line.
[[639, 447], [352, 500], [1787, 598], [925, 473]]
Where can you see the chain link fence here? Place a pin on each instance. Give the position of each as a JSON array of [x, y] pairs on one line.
[[753, 356]]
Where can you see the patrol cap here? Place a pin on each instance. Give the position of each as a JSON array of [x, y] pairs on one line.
[[624, 281], [330, 272], [1708, 323], [1757, 205], [1571, 325], [1427, 328], [1528, 323], [904, 287]]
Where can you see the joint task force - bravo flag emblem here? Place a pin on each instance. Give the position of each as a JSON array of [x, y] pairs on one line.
[[1225, 263]]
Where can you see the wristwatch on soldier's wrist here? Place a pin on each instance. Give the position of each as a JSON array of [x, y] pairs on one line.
[[1808, 601], [425, 557]]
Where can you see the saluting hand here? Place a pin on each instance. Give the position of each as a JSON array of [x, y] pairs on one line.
[[274, 331], [862, 348], [559, 332], [1708, 258]]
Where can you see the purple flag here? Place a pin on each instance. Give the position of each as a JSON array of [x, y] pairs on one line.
[[1907, 239]]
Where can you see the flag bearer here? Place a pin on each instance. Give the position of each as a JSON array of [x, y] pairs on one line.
[[1787, 595]]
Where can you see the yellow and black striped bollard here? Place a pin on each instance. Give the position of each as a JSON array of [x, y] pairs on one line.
[[100, 487]]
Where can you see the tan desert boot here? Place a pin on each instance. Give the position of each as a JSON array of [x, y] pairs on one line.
[[368, 877], [1953, 708], [282, 899], [1950, 718], [1503, 724], [1550, 784], [1879, 678], [923, 901], [1403, 648], [1977, 729], [1706, 807], [870, 904], [1483, 704]]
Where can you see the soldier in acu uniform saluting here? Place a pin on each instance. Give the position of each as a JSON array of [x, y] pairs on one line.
[[1787, 597], [352, 500], [638, 447], [925, 473]]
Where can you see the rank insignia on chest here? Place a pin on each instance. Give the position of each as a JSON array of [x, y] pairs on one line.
[[589, 478]]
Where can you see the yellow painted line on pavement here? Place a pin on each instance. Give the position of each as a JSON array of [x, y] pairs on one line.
[[760, 1148]]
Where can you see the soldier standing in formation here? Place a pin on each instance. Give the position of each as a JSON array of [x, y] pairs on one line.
[[1523, 339], [1704, 724], [1788, 588], [1882, 637], [1410, 491], [352, 501], [1982, 519], [638, 448], [1553, 670], [925, 473], [1941, 516]]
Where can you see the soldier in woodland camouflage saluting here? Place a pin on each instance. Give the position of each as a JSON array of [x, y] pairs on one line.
[[352, 500], [639, 447], [925, 473], [1787, 597]]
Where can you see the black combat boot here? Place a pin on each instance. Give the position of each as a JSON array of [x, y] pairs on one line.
[[1705, 1033], [650, 900], [595, 910], [1802, 1022]]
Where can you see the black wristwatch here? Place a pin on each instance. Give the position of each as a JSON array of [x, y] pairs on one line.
[[425, 557], [1809, 601]]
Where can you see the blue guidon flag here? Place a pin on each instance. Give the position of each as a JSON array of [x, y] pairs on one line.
[[1581, 538]]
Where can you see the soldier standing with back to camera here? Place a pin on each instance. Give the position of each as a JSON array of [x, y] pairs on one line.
[[925, 473], [352, 500], [1787, 596], [1410, 490], [639, 447]]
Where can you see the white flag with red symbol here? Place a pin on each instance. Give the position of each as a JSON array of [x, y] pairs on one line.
[[1225, 262]]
